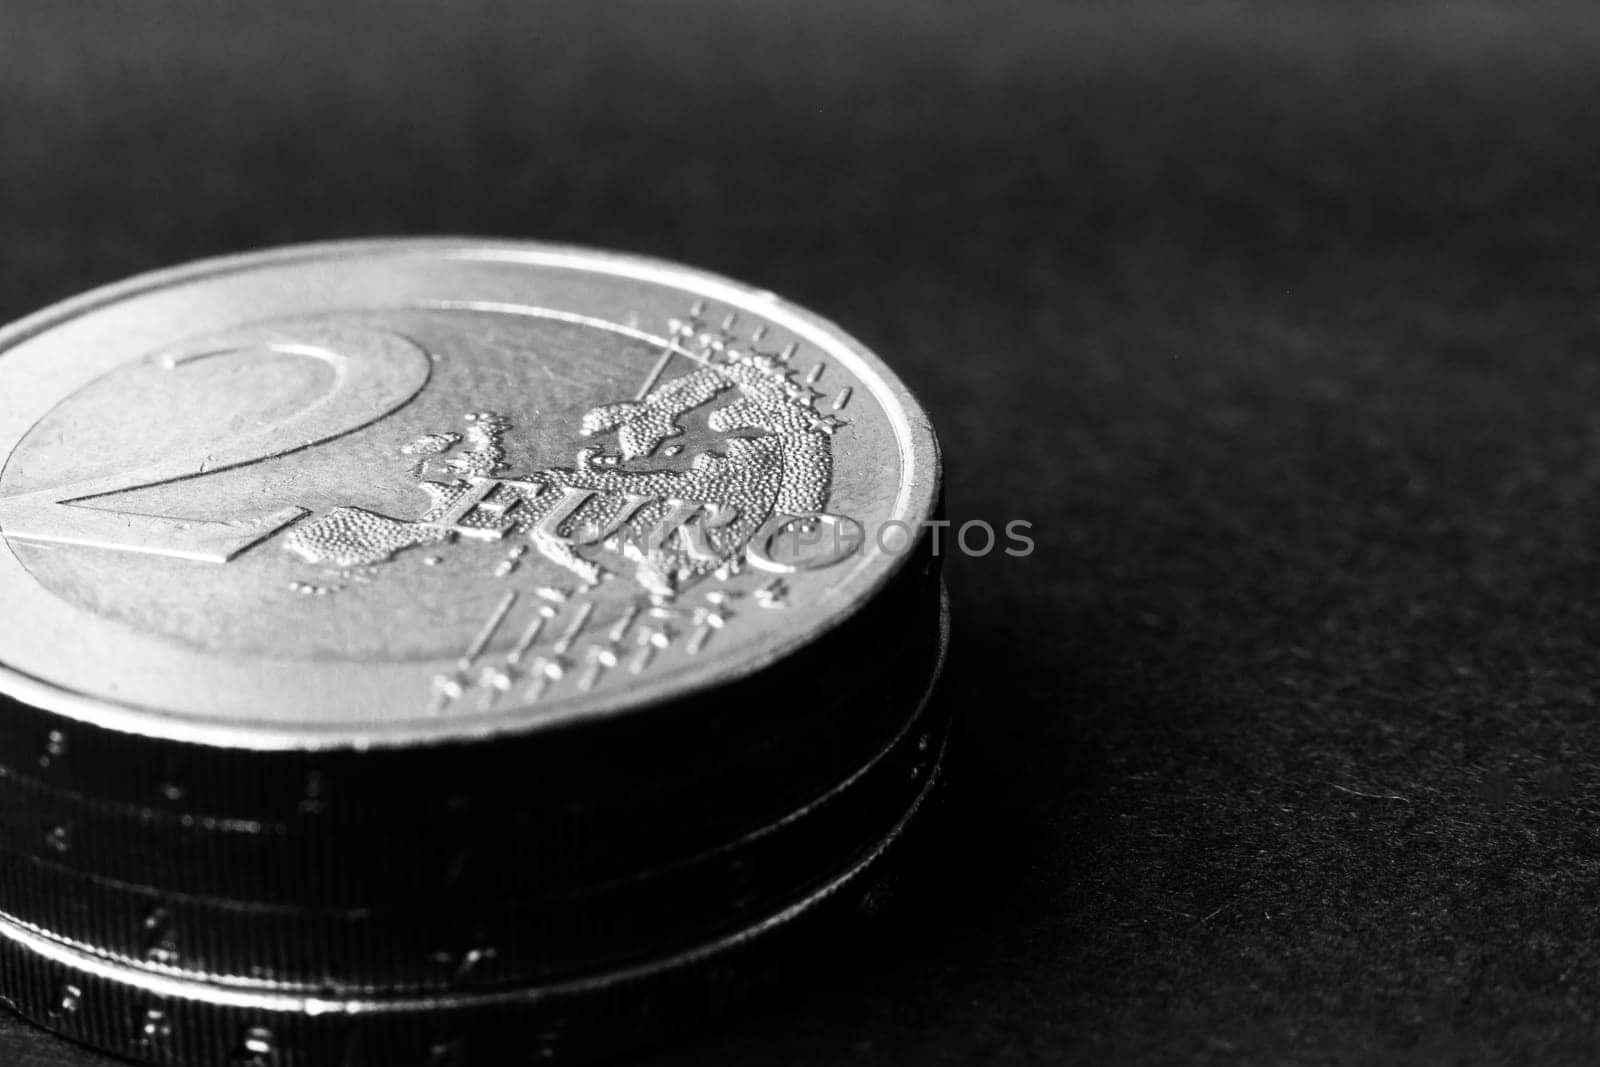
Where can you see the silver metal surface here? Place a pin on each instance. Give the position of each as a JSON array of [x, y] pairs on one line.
[[377, 493]]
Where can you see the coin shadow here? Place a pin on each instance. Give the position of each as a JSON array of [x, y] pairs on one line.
[[957, 870], [1025, 775]]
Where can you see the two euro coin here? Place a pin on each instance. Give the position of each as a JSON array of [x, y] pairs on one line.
[[417, 649]]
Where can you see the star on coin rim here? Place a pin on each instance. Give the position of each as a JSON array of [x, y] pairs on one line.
[[919, 482]]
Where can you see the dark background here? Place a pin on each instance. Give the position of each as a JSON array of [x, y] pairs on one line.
[[1278, 321]]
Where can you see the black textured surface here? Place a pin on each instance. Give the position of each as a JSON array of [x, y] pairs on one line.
[[1279, 323]]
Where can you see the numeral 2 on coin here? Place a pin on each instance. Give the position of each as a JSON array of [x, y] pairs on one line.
[[374, 374]]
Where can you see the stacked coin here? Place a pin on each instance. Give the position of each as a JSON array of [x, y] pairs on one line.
[[444, 652]]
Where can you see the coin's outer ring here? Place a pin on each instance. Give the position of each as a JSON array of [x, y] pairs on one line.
[[187, 1023], [457, 947], [687, 754], [919, 490]]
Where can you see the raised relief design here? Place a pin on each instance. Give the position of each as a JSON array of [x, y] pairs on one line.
[[663, 527], [374, 374], [633, 508]]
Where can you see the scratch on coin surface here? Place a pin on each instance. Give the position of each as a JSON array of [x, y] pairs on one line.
[[655, 372], [1370, 796]]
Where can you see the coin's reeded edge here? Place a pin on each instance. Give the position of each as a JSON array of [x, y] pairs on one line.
[[210, 995], [922, 713], [913, 432]]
